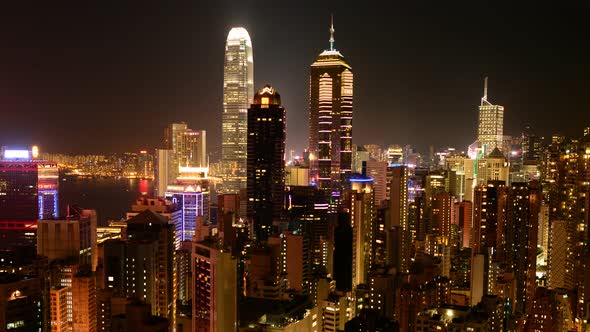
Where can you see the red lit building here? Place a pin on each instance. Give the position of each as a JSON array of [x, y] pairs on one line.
[[28, 192]]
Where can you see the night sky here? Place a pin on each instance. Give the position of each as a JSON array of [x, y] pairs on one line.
[[108, 77]]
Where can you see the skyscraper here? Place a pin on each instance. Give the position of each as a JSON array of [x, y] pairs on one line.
[[266, 164], [214, 287], [238, 90], [330, 120], [28, 192], [491, 123]]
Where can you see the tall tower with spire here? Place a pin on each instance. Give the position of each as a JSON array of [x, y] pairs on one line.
[[330, 121], [490, 131], [238, 91]]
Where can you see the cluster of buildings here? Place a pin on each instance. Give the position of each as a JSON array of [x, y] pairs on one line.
[[126, 165], [345, 238]]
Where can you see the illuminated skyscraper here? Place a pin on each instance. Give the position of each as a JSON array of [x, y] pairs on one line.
[[266, 160], [238, 90], [330, 120], [28, 192], [491, 123]]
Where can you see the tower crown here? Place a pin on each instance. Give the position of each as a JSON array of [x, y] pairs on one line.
[[267, 96]]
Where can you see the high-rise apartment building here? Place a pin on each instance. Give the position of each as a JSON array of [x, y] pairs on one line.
[[84, 302], [59, 309], [398, 252], [330, 121], [238, 91], [266, 163], [149, 228], [362, 211], [214, 287], [522, 218], [491, 123]]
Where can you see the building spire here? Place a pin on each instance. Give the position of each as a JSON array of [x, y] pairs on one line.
[[331, 32], [484, 99]]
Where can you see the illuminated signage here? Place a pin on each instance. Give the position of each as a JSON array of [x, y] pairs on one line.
[[17, 154], [35, 151]]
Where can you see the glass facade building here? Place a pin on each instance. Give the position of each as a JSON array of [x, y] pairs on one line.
[[330, 121], [490, 132], [266, 161], [238, 90]]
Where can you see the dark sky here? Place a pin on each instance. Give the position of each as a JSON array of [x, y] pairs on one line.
[[107, 77]]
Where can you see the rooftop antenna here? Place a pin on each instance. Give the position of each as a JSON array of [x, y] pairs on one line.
[[331, 32], [484, 99]]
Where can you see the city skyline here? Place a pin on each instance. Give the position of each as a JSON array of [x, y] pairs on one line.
[[117, 66]]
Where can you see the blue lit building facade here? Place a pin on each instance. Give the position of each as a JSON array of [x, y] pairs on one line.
[[191, 195]]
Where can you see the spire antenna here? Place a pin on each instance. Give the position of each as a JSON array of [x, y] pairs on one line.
[[331, 32], [484, 99]]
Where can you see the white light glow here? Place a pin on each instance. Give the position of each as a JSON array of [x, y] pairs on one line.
[[17, 154]]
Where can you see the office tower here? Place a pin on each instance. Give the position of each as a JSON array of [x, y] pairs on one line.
[[398, 252], [362, 209], [330, 121], [238, 91], [377, 170], [21, 303], [191, 148], [172, 133], [164, 170], [561, 255], [84, 302], [490, 130], [28, 191], [215, 287], [150, 229], [192, 195], [522, 218], [59, 309], [266, 164], [493, 167]]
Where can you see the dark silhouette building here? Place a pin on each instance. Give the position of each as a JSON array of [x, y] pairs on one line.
[[266, 164]]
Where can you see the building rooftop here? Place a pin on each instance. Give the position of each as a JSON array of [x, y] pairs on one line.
[[148, 217]]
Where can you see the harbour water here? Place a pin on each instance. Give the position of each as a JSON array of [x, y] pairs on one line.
[[110, 197]]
